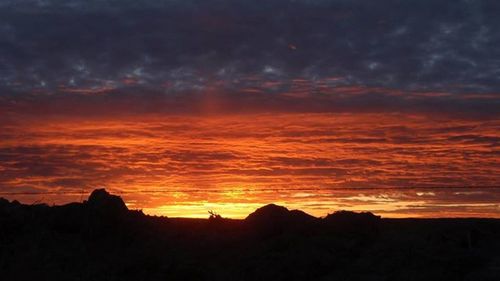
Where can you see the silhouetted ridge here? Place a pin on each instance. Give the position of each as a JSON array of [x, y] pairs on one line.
[[273, 219], [100, 239], [274, 213], [102, 200], [365, 224], [348, 216], [4, 202]]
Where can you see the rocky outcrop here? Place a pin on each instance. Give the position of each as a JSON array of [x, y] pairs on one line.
[[101, 200], [273, 219]]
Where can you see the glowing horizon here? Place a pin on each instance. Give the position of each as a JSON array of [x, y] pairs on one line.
[[395, 165]]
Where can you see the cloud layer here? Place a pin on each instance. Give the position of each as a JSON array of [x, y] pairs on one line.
[[432, 53], [318, 105], [313, 161]]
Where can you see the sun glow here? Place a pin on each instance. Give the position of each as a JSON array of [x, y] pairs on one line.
[[185, 166]]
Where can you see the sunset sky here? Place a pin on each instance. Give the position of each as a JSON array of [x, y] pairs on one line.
[[185, 106]]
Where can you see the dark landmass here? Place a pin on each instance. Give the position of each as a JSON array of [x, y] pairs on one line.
[[100, 239]]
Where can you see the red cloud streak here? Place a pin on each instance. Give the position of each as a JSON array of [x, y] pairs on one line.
[[392, 164]]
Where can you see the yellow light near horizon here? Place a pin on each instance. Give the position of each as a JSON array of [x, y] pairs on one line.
[[233, 164]]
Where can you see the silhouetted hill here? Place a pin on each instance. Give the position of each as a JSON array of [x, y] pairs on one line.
[[274, 213], [100, 239], [348, 217], [273, 220], [365, 224], [102, 201]]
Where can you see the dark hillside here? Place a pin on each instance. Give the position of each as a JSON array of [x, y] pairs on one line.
[[101, 240]]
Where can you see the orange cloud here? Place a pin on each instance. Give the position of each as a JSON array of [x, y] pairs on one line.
[[317, 162]]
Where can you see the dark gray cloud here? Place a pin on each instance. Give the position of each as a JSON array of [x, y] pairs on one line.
[[442, 54]]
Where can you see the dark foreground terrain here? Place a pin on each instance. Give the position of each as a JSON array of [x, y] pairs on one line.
[[101, 240]]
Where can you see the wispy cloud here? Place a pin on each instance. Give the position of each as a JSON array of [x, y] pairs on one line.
[[289, 152]]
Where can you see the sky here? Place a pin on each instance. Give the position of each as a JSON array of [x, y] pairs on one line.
[[187, 106]]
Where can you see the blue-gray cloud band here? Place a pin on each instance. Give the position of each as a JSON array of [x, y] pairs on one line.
[[165, 47]]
